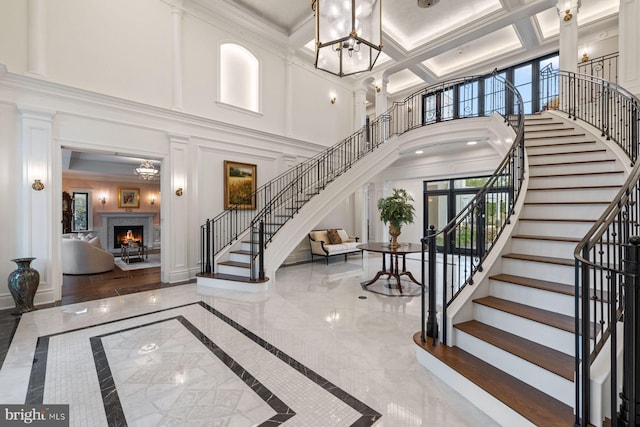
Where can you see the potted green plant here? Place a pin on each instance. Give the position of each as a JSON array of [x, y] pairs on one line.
[[396, 210]]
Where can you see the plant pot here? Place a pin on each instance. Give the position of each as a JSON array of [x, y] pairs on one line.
[[394, 232], [23, 283]]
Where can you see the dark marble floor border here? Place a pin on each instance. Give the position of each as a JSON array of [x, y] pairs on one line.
[[36, 384], [111, 400]]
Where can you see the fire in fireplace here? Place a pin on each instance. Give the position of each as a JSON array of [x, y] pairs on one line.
[[127, 233]]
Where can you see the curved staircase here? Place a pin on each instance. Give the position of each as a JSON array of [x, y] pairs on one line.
[[515, 357]]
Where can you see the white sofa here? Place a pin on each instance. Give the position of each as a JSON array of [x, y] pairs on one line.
[[321, 244], [84, 255]]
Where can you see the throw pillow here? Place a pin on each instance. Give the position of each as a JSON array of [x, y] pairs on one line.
[[96, 242], [334, 237]]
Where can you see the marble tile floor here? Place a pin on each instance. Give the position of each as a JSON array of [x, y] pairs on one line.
[[315, 349]]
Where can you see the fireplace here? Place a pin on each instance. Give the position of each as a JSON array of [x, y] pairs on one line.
[[140, 224], [124, 233]]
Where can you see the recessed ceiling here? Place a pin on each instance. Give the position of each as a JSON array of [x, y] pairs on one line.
[[92, 163], [451, 38]]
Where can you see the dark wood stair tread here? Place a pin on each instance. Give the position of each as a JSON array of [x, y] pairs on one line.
[[547, 358], [235, 264], [539, 258], [571, 135], [545, 317], [564, 153], [580, 162], [529, 282], [557, 220], [241, 252], [571, 202], [586, 187], [231, 277], [534, 405], [577, 174]]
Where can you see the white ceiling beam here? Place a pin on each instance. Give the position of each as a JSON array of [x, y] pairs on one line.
[[468, 34]]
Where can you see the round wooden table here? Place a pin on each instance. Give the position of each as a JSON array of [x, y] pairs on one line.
[[394, 268]]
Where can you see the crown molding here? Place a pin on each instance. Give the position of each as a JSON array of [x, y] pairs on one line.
[[25, 91]]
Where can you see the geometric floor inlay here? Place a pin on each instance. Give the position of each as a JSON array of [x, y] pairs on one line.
[[189, 363]]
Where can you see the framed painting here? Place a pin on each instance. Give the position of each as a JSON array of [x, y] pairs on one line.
[[128, 197], [239, 185]]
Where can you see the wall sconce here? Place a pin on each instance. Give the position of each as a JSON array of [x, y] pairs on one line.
[[585, 57], [377, 89], [37, 185], [103, 199], [153, 200], [179, 192], [567, 15], [333, 100]]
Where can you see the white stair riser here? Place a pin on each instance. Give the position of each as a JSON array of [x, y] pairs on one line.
[[539, 270], [582, 195], [553, 145], [236, 271], [556, 249], [561, 211], [533, 331], [579, 156], [246, 246], [572, 168], [239, 257], [204, 284], [555, 386], [554, 228], [545, 300], [577, 180], [555, 138]]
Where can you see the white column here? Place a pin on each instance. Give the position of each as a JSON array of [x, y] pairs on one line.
[[568, 16], [628, 42], [360, 109], [175, 211], [381, 97], [176, 55], [37, 38], [38, 229]]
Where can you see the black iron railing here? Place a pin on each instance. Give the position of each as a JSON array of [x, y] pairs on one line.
[[281, 198], [607, 268], [604, 67], [467, 239]]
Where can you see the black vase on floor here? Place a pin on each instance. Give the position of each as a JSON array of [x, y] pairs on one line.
[[23, 283]]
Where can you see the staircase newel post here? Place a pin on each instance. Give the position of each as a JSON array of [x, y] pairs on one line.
[[629, 414], [261, 251], [432, 324], [208, 267]]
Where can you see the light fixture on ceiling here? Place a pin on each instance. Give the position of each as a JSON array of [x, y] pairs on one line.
[[427, 3], [146, 170], [348, 35]]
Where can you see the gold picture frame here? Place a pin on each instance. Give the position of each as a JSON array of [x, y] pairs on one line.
[[128, 197], [239, 185]]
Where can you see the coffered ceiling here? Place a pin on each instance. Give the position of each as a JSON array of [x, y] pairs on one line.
[[451, 38]]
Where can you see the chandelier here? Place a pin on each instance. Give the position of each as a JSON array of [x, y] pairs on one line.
[[146, 171], [348, 35]]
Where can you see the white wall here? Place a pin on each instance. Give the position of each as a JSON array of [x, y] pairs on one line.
[[10, 171]]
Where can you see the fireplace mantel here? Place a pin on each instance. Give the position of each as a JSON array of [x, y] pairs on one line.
[[111, 219]]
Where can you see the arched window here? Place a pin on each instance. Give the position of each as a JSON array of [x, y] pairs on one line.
[[239, 77]]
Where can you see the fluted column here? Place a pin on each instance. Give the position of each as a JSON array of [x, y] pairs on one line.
[[37, 38], [628, 42], [176, 55], [381, 96], [568, 16]]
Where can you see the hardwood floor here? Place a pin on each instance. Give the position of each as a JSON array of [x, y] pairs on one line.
[[110, 284], [86, 288]]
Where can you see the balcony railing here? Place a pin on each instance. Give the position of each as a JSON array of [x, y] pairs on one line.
[[467, 239]]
